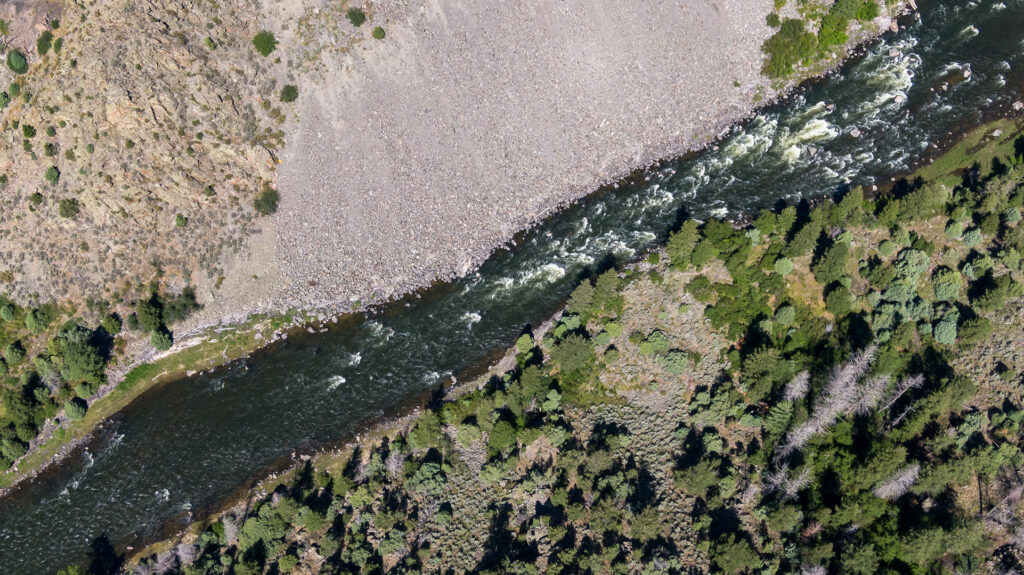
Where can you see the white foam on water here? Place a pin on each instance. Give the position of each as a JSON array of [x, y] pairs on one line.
[[471, 318], [116, 441], [658, 198], [378, 331], [163, 495], [968, 32], [791, 154], [998, 6], [719, 212], [581, 227], [334, 382], [548, 273], [503, 284], [355, 359], [645, 237]]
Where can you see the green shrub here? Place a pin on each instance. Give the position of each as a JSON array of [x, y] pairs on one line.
[[111, 324], [37, 320], [785, 314], [7, 312], [75, 408], [804, 240], [44, 43], [945, 330], [356, 16], [839, 301], [52, 174], [180, 221], [161, 339], [703, 252], [80, 359], [674, 362], [1012, 215], [68, 208], [787, 47], [266, 204], [773, 20], [16, 62], [681, 244], [14, 353], [832, 264], [954, 230], [972, 237], [886, 248], [910, 263], [28, 131], [868, 11], [947, 284], [289, 93], [264, 42], [784, 266], [378, 33], [975, 330], [210, 44]]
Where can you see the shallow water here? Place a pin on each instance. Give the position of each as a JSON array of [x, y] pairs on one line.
[[188, 446]]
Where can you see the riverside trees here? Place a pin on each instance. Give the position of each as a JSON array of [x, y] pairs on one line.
[[832, 426]]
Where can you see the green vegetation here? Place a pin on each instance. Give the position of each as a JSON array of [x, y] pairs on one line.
[[793, 45], [356, 16], [378, 33], [836, 420], [53, 361], [264, 42], [289, 93], [16, 62], [266, 203], [68, 208], [44, 43]]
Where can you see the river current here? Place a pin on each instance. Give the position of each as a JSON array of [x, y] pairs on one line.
[[188, 446]]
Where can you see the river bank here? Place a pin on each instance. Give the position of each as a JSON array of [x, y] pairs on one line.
[[255, 329]]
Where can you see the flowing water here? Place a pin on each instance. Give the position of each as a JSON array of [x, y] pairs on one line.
[[188, 446]]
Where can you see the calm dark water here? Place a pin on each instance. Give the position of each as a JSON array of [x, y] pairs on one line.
[[186, 447]]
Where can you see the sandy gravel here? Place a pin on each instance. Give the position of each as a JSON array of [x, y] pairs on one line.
[[413, 157]]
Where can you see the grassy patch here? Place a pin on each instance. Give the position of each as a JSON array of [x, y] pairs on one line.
[[978, 147]]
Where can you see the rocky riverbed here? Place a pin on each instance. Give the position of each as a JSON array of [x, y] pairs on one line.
[[411, 158]]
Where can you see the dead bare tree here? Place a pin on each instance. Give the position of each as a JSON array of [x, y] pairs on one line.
[[898, 484], [798, 387]]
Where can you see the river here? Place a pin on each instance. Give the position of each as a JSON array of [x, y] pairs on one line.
[[186, 447]]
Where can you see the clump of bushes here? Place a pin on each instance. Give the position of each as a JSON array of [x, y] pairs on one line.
[[378, 33], [289, 93], [266, 203], [44, 42], [356, 16], [264, 42], [68, 208], [16, 62]]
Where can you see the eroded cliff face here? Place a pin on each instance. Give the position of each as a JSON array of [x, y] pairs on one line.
[[139, 111]]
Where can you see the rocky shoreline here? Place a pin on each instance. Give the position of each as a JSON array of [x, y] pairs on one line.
[[367, 216]]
